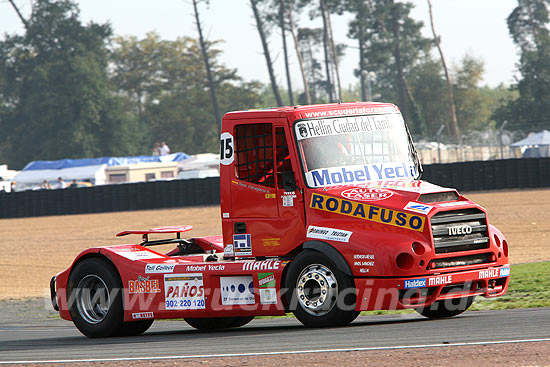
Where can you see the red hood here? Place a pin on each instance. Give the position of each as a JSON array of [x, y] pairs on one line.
[[379, 191]]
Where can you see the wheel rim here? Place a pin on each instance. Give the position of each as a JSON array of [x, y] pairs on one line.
[[317, 289], [92, 299]]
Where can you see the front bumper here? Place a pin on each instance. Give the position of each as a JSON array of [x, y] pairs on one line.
[[422, 291]]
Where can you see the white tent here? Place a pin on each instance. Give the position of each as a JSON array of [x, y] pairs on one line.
[[535, 145], [27, 180], [534, 139], [200, 166]]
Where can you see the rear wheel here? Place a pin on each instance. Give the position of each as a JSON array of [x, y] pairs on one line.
[[320, 294], [216, 323], [134, 327], [446, 308], [95, 298]]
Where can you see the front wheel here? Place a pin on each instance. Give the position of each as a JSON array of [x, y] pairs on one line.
[[216, 323], [320, 294], [446, 308]]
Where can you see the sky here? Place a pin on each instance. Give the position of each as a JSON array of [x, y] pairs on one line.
[[474, 27]]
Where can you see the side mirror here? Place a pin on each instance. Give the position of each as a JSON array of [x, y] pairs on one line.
[[289, 182]]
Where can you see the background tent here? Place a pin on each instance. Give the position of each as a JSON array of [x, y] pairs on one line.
[[27, 180], [535, 145], [87, 169]]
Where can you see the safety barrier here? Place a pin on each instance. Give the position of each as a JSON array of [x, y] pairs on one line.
[[491, 175], [111, 198], [464, 176]]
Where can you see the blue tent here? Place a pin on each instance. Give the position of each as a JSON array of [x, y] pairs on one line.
[[109, 161]]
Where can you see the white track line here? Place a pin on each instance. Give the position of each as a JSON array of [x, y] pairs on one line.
[[281, 353]]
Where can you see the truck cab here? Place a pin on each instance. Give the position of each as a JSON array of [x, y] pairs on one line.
[[343, 180]]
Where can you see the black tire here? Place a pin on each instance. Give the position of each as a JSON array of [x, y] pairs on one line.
[[134, 328], [217, 323], [95, 298], [446, 308], [319, 294]]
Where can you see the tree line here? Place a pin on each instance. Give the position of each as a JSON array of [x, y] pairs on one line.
[[69, 89]]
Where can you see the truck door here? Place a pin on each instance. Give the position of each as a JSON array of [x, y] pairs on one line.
[[266, 218]]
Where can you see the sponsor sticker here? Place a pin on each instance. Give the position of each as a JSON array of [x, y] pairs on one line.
[[367, 212], [415, 283], [488, 273], [184, 291], [418, 207], [360, 174], [262, 265], [454, 203], [268, 296], [143, 315], [219, 267], [330, 234], [228, 250], [366, 194], [159, 268], [288, 198], [237, 290], [266, 280], [363, 263], [445, 279], [242, 244], [352, 111], [363, 256], [143, 285], [194, 268], [270, 196], [135, 253], [504, 272], [225, 215], [345, 125], [271, 242]]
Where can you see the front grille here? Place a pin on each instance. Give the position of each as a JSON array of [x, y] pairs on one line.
[[451, 262], [459, 230]]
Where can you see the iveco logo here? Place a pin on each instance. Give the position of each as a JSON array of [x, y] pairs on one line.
[[456, 230]]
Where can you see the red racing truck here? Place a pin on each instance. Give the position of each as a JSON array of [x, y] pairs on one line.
[[323, 215]]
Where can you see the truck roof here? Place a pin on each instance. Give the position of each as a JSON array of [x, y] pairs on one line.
[[312, 111]]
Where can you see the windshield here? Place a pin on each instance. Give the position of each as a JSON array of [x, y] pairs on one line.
[[351, 150]]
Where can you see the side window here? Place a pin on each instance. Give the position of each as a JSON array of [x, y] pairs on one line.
[[254, 154], [282, 155]]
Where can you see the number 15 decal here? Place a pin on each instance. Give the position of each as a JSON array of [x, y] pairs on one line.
[[226, 149]]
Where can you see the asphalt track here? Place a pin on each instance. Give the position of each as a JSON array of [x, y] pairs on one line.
[[57, 340]]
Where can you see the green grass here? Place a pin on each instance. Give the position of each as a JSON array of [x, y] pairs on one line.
[[529, 287]]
